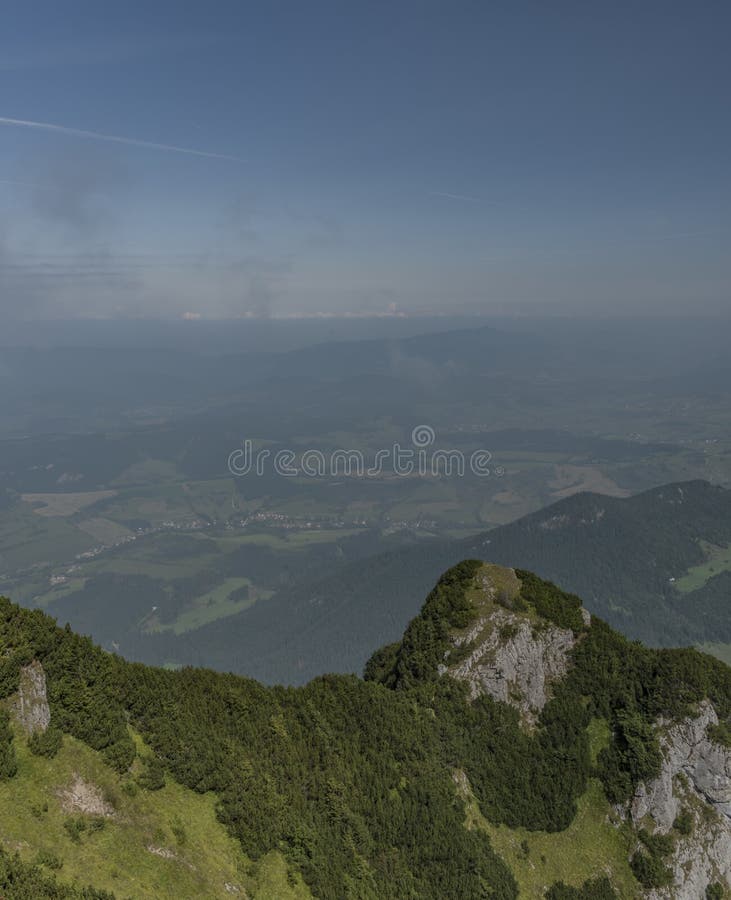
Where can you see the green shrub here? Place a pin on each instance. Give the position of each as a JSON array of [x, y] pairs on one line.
[[152, 776], [650, 871], [178, 830], [683, 823], [8, 762], [75, 827], [46, 743], [657, 844], [98, 823], [720, 734], [508, 631], [416, 658], [649, 867], [633, 756], [48, 859], [23, 881], [550, 601]]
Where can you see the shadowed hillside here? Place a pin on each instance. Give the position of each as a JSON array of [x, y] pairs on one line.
[[625, 557]]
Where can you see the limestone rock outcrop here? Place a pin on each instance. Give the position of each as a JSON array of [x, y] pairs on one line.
[[32, 703]]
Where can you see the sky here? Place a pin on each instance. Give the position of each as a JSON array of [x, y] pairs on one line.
[[282, 159]]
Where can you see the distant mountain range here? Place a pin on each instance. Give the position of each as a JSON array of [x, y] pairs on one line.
[[70, 387]]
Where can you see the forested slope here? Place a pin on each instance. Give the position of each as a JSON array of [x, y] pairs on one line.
[[622, 556], [364, 785]]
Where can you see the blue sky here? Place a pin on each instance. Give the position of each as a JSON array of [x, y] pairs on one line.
[[416, 157]]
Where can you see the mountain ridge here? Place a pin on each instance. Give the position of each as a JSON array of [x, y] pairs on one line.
[[620, 554], [405, 784]]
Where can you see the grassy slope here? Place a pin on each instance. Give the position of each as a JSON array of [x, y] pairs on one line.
[[589, 847], [594, 844], [116, 858]]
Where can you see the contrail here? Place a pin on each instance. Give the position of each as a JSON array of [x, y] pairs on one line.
[[449, 196], [115, 139], [21, 183], [30, 184]]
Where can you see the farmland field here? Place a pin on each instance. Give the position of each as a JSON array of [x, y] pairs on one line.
[[61, 504]]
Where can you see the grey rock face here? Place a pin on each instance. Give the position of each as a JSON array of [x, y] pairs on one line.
[[32, 704], [695, 775], [514, 662], [687, 749], [699, 860]]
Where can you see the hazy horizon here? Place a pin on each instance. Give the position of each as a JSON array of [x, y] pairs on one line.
[[386, 160]]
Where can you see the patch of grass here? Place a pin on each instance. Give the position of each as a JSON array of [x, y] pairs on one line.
[[718, 560], [600, 735], [218, 603], [68, 587], [148, 471], [591, 846], [274, 880], [62, 504], [27, 539], [117, 857], [493, 584], [105, 531]]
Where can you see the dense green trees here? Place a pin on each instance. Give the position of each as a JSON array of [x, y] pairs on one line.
[[551, 602], [8, 764], [345, 777], [46, 743], [534, 780], [633, 756], [152, 775], [648, 863], [352, 779], [416, 659]]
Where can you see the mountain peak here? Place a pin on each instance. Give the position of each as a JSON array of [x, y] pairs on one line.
[[477, 610], [510, 652]]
